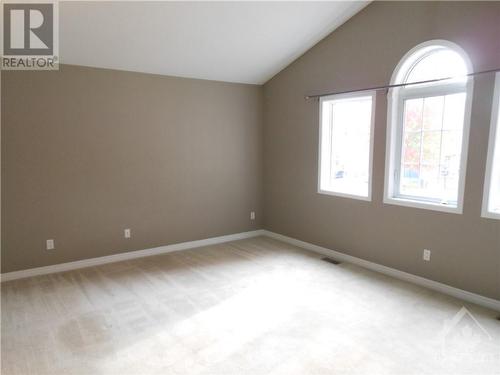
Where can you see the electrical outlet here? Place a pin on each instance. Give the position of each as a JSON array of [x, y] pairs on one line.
[[427, 255], [126, 233], [50, 245], [252, 215]]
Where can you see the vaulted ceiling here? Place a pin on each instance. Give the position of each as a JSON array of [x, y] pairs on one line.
[[245, 42]]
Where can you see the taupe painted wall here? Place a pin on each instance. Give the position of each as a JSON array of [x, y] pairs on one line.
[[88, 152], [364, 52]]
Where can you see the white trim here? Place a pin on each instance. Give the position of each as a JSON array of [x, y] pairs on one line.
[[373, 95], [425, 205], [422, 49], [430, 284], [493, 148], [394, 113], [345, 195], [126, 256], [434, 285]]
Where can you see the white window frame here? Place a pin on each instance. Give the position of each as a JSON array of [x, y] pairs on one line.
[[395, 112], [373, 95], [493, 148]]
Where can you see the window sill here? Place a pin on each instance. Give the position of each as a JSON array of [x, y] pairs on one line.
[[490, 215], [423, 205], [345, 195]]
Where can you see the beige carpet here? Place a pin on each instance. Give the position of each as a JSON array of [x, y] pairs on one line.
[[255, 306]]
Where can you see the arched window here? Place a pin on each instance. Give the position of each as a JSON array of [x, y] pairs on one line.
[[428, 128]]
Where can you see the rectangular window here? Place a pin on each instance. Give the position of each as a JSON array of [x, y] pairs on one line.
[[429, 163], [491, 199], [427, 137], [346, 145]]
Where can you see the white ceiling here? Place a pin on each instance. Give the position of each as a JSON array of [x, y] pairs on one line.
[[245, 42]]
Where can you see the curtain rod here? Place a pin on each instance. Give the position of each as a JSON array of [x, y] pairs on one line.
[[386, 87]]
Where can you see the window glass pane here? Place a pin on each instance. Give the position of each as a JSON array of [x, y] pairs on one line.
[[441, 63], [412, 147], [433, 113], [413, 114], [495, 188], [494, 198], [454, 112], [345, 156], [431, 148]]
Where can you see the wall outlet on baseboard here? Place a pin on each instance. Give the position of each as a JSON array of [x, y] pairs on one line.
[[50, 245], [252, 215], [427, 255], [126, 233]]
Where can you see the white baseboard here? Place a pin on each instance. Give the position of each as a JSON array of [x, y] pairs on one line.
[[434, 285], [430, 284], [128, 255]]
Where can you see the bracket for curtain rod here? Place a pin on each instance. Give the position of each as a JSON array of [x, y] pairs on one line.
[[387, 87]]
